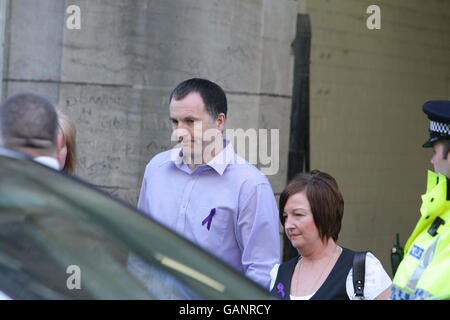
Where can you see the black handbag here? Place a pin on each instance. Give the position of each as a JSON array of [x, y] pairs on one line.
[[359, 272]]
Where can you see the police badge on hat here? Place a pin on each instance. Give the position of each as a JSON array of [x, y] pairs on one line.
[[438, 111]]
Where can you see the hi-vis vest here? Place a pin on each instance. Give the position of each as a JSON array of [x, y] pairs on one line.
[[425, 269]]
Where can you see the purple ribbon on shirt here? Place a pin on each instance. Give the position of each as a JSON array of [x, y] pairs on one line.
[[209, 219], [280, 288]]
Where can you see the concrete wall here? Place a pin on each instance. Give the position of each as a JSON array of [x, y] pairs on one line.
[[3, 15], [115, 74], [367, 126], [32, 51]]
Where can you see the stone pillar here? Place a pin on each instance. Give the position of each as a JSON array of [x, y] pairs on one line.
[[33, 49], [3, 14], [115, 74]]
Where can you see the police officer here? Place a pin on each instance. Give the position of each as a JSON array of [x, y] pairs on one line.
[[424, 271]]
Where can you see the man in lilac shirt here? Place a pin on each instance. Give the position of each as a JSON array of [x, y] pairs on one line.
[[206, 192]]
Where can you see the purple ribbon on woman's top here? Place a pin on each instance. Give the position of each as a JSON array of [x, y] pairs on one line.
[[209, 219], [280, 288]]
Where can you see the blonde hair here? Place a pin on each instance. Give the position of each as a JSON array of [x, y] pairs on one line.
[[67, 128]]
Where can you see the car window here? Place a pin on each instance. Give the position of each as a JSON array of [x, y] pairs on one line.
[[62, 239]]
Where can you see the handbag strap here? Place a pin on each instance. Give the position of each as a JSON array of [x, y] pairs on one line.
[[359, 271]]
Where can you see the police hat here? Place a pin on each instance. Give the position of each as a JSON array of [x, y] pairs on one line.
[[438, 111]]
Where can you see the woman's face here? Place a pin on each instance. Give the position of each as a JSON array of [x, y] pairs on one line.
[[299, 221], [62, 154]]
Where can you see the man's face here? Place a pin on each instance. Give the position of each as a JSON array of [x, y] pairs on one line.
[[190, 121], [440, 164]]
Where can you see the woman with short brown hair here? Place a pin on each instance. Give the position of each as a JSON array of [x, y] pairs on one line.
[[311, 211]]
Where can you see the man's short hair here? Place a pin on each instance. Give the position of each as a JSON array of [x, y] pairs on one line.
[[212, 94], [28, 121]]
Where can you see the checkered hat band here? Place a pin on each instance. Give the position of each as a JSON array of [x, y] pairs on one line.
[[440, 127]]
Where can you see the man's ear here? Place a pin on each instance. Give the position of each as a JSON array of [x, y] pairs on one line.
[[448, 160], [221, 119]]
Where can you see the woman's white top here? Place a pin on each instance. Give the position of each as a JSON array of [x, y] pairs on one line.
[[376, 280]]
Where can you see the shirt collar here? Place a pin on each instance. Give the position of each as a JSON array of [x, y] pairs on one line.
[[48, 161], [219, 163], [223, 159]]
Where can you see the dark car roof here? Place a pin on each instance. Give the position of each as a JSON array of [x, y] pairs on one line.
[[50, 220]]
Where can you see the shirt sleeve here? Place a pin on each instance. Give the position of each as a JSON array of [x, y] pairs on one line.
[[257, 233], [142, 204], [376, 279]]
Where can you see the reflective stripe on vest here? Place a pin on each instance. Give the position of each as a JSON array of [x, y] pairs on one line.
[[425, 260]]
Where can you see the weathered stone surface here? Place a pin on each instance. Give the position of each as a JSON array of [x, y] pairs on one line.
[[108, 121], [34, 38], [114, 76]]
